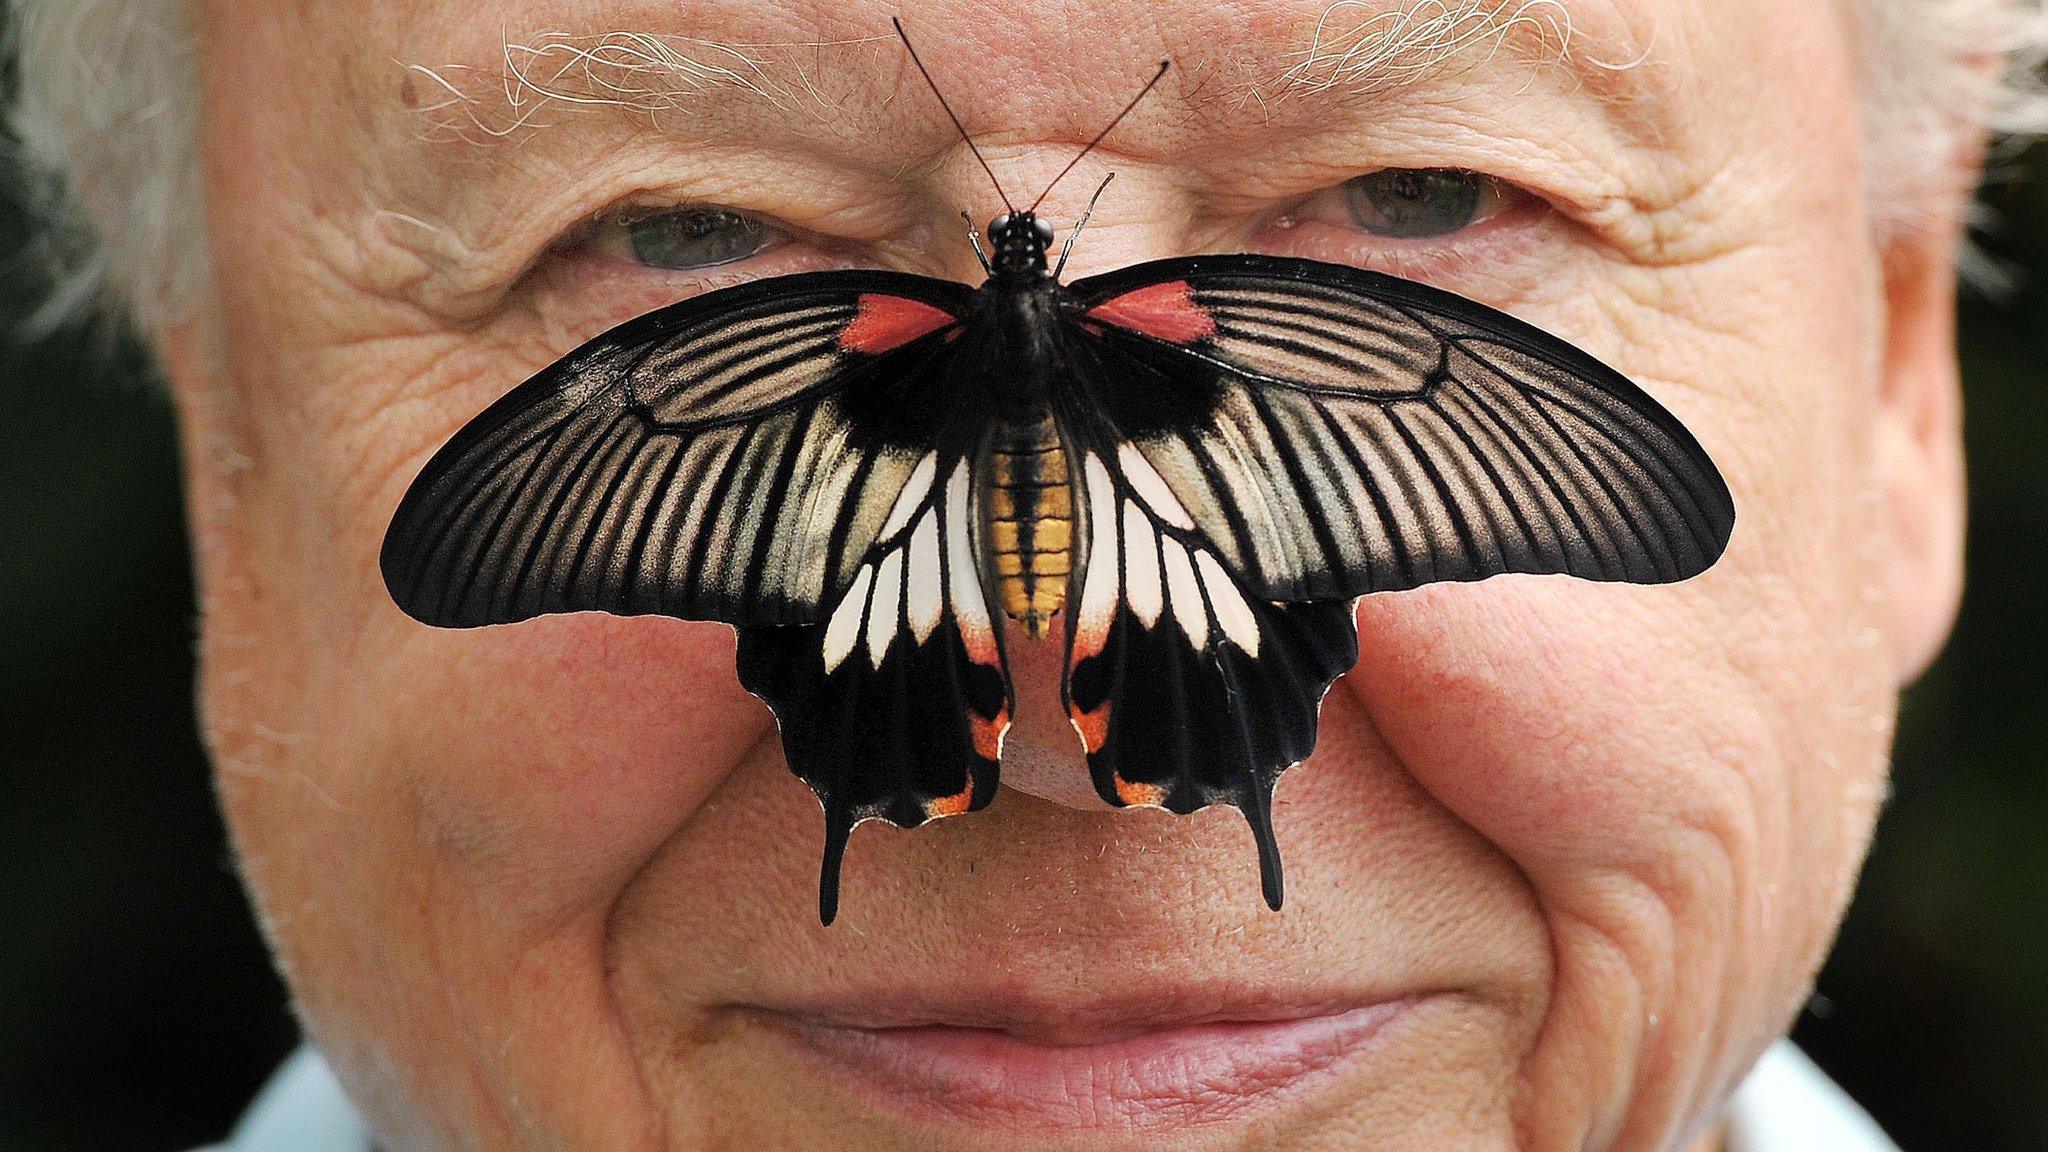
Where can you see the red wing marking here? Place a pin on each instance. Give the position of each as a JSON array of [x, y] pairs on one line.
[[952, 805], [988, 740], [1162, 311], [884, 323], [1136, 794], [1093, 726]]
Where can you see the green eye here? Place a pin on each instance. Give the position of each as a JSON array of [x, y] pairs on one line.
[[691, 238], [1413, 203]]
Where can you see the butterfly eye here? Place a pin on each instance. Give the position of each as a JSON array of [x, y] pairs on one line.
[[998, 224], [1044, 230], [686, 239], [1418, 203]]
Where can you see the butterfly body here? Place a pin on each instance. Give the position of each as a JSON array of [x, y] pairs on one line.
[[1197, 463], [1026, 515]]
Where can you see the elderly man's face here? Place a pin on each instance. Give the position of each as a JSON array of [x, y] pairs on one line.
[[1567, 855]]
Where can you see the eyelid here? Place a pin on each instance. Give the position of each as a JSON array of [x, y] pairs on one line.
[[1497, 197], [609, 233], [1523, 231]]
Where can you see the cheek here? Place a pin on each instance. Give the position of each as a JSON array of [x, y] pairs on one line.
[[547, 761], [1557, 716]]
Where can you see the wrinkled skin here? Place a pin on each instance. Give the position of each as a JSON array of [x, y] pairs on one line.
[[530, 884]]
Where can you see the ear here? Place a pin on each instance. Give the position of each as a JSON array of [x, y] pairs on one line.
[[1919, 449]]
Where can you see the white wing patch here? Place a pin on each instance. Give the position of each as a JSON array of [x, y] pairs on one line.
[[922, 565], [1233, 614], [1099, 592], [925, 579], [1141, 568], [911, 498], [1184, 592], [843, 630], [884, 614], [963, 572], [1134, 561], [1151, 487]]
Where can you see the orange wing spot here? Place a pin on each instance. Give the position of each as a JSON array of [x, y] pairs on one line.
[[1093, 726], [1163, 311], [952, 805], [988, 736], [1135, 794], [888, 322]]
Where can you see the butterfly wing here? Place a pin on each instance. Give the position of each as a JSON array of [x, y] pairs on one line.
[[1335, 432], [894, 707], [1263, 439], [731, 457], [1187, 688], [790, 457]]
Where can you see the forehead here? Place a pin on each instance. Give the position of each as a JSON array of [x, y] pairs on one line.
[[494, 122], [506, 69]]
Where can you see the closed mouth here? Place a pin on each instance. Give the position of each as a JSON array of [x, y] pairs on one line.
[[1102, 1066]]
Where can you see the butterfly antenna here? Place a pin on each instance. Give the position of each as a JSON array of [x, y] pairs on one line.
[[951, 115], [1068, 249], [1149, 85]]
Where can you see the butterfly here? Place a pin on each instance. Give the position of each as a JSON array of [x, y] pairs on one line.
[[1194, 465]]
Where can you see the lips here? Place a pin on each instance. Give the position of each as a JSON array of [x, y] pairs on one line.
[[1102, 1065]]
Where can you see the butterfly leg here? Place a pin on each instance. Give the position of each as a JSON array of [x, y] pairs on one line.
[[1067, 249], [974, 238]]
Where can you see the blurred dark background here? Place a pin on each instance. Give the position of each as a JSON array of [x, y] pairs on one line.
[[138, 1011]]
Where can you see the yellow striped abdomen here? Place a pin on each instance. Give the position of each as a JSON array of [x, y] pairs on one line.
[[1030, 523]]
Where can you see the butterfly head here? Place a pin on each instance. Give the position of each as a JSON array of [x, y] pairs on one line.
[[1019, 241]]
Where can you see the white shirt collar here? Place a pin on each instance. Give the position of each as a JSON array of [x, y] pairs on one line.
[[1786, 1105], [1789, 1105]]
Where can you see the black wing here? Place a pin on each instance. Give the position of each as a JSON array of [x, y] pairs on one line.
[[1259, 440], [787, 456], [894, 707], [1336, 432], [1187, 688], [729, 458]]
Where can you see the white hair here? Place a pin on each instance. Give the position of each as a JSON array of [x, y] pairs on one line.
[[107, 109]]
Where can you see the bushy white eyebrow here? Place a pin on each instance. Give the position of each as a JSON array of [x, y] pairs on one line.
[[1362, 47], [1357, 46], [656, 74], [106, 113]]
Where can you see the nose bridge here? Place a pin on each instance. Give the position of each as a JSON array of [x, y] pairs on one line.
[[1145, 213]]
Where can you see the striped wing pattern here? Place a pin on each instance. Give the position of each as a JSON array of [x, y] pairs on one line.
[[1187, 689], [1359, 433], [1252, 442], [762, 456], [1265, 440], [894, 707], [726, 458]]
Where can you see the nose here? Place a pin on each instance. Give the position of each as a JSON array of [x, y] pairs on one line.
[[1144, 214], [1042, 754]]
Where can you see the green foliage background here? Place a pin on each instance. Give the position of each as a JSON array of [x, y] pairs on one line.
[[138, 1011]]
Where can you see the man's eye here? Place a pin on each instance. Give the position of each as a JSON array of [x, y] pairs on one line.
[[1418, 203], [686, 239]]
